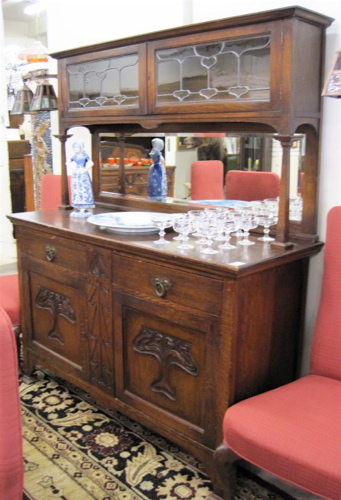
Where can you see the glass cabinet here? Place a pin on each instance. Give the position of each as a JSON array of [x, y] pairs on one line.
[[260, 73], [107, 83], [228, 69]]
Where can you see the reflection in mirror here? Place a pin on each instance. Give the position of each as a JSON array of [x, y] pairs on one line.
[[243, 152]]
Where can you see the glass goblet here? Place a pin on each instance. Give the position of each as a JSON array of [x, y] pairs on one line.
[[271, 205], [247, 222], [228, 227], [196, 216], [221, 217], [182, 225], [210, 231], [267, 220], [161, 223]]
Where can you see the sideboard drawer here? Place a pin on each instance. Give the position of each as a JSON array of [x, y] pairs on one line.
[[57, 251], [152, 282]]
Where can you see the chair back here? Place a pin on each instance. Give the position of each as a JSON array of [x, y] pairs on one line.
[[250, 186], [207, 180], [326, 350], [51, 191], [11, 449]]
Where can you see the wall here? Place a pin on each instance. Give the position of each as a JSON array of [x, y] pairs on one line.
[[7, 243], [85, 23]]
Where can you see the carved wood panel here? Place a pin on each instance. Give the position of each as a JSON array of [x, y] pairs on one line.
[[58, 317], [99, 304], [162, 361], [168, 351]]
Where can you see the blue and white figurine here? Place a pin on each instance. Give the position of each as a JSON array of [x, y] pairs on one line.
[[82, 197], [157, 179]]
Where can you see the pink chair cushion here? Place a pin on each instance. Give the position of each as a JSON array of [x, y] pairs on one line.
[[9, 297], [293, 432], [11, 452], [326, 352], [250, 186], [207, 180]]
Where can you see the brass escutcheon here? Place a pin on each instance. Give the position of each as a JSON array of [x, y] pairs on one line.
[[50, 253], [161, 285]]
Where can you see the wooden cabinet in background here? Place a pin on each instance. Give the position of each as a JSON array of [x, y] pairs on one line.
[[16, 153], [136, 180]]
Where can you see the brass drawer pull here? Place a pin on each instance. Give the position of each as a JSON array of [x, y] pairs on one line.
[[161, 285], [50, 253]]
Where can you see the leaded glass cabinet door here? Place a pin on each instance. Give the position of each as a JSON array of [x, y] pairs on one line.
[[105, 83], [230, 68]]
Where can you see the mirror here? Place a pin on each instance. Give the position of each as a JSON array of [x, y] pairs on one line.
[[128, 157]]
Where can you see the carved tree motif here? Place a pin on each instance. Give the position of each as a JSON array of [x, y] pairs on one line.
[[168, 351], [58, 305]]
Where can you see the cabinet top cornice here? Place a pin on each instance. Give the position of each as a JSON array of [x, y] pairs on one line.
[[231, 22]]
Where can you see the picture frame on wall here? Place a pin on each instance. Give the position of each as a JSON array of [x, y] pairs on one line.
[[332, 87]]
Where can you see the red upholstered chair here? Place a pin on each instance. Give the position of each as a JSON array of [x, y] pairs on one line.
[[207, 180], [294, 431], [246, 185], [51, 191], [11, 452], [51, 197], [10, 302]]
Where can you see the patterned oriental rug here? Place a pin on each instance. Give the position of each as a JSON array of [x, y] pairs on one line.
[[76, 450]]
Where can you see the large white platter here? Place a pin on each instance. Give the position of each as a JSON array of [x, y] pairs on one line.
[[127, 222]]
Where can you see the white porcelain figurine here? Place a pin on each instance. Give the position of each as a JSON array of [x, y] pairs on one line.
[[81, 188]]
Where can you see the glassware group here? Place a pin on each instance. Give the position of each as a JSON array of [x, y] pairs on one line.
[[213, 227]]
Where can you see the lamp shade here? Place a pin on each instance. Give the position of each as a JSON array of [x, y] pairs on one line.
[[44, 98], [22, 101]]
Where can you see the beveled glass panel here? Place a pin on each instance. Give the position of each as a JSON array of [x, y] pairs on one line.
[[237, 70], [102, 83]]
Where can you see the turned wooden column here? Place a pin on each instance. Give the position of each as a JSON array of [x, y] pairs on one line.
[[65, 186], [282, 235]]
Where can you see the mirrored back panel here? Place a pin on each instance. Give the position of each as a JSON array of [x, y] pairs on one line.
[[125, 164]]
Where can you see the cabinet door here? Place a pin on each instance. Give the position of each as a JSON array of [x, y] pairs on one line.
[[67, 321], [237, 69], [105, 83], [163, 360], [55, 331]]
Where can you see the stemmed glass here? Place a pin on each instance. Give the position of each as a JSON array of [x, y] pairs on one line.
[[240, 211], [183, 225], [161, 222], [248, 221], [228, 227], [266, 220], [271, 205], [197, 217], [209, 231], [222, 215]]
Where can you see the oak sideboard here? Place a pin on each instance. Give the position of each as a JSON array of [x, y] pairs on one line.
[[168, 337]]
